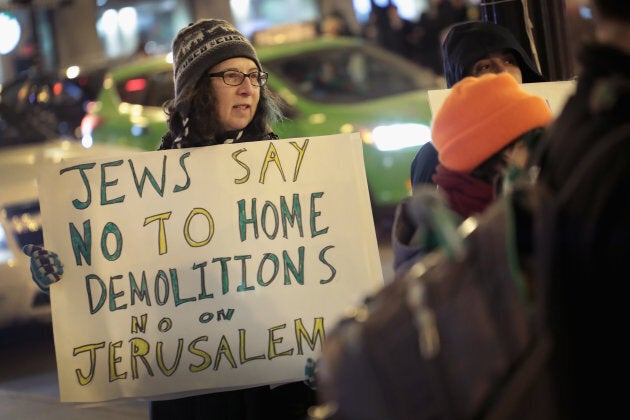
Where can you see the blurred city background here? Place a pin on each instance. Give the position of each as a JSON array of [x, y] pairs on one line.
[[51, 35], [80, 77]]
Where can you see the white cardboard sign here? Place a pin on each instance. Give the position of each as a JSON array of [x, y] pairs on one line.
[[205, 269], [555, 93]]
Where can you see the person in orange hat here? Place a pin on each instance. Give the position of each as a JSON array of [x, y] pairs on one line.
[[484, 126], [475, 48]]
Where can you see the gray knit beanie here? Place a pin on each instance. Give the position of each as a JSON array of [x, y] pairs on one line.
[[202, 45]]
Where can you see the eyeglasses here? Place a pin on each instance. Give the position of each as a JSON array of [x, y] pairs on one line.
[[235, 78]]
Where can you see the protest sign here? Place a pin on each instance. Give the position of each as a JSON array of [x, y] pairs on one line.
[[204, 269], [555, 93]]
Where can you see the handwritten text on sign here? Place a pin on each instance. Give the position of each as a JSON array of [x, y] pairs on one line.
[[205, 269]]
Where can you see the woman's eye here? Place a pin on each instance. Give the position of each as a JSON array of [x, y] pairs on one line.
[[480, 68]]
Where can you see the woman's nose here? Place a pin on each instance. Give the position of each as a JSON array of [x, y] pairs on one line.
[[498, 66], [246, 87]]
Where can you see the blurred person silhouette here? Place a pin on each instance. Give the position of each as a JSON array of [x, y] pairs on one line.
[[141, 47], [334, 24], [397, 32], [370, 30], [220, 97], [475, 48], [425, 35], [486, 127], [389, 30], [584, 161], [456, 11]]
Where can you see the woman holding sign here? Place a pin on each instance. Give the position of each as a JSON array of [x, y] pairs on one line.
[[220, 97], [213, 103]]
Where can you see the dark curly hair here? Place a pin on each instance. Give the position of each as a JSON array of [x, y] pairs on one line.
[[203, 127]]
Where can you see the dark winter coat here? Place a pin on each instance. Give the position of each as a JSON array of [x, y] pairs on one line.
[[585, 161]]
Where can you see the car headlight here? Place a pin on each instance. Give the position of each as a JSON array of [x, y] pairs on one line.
[[399, 136], [24, 224], [5, 253]]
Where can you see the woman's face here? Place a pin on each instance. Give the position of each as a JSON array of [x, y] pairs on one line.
[[235, 105], [517, 155], [500, 62]]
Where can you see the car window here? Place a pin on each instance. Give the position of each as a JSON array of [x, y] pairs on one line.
[[346, 75], [19, 129], [161, 88], [25, 94], [150, 89], [25, 214]]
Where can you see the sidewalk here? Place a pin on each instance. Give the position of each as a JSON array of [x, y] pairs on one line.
[[19, 405]]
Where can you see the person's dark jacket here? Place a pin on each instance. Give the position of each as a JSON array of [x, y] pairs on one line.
[[585, 162], [464, 45]]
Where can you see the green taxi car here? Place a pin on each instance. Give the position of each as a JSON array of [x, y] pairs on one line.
[[327, 86]]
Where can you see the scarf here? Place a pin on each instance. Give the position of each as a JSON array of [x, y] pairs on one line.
[[466, 194]]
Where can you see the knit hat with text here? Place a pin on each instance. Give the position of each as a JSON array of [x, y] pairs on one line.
[[482, 115], [200, 46]]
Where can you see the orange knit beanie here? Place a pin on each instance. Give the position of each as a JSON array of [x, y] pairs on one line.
[[482, 115]]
